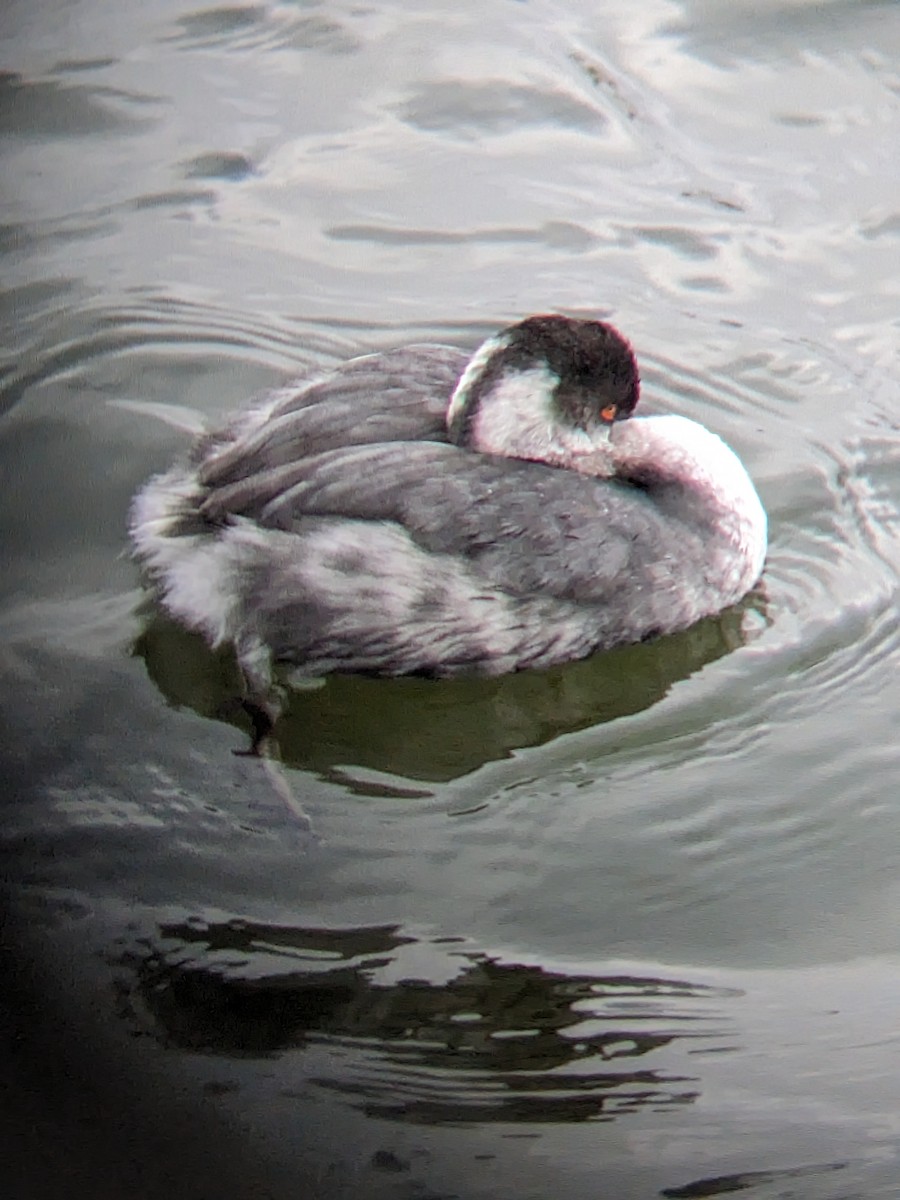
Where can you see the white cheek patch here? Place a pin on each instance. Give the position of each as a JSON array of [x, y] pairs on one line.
[[516, 418]]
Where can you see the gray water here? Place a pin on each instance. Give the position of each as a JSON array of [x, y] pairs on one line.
[[621, 930]]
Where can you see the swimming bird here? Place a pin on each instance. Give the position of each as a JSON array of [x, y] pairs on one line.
[[422, 511]]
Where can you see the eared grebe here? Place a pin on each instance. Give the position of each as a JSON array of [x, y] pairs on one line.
[[420, 511]]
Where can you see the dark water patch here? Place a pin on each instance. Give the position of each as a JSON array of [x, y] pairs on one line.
[[689, 245], [178, 198], [75, 66], [264, 27], [318, 32], [385, 1160], [220, 24], [26, 239], [495, 107], [888, 226], [226, 165], [723, 1185], [705, 283], [777, 32], [799, 120], [36, 109], [559, 235], [12, 236], [28, 304], [71, 1083], [361, 783]]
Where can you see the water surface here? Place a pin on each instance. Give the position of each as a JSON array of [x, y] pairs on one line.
[[625, 928]]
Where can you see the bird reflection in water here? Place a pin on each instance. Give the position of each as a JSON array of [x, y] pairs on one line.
[[440, 730], [482, 1040]]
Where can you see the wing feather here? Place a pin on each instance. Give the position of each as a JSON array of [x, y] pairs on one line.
[[524, 527], [399, 396]]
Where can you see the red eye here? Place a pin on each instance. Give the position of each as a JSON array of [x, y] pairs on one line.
[[608, 413]]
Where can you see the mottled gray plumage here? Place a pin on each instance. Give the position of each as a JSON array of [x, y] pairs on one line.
[[335, 526], [398, 396]]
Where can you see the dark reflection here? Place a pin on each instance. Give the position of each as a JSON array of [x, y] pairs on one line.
[[729, 34], [722, 1185], [489, 1041], [225, 165], [483, 108], [219, 23], [46, 109], [437, 730], [260, 26], [561, 235]]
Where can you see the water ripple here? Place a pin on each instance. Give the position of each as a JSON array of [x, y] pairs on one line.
[[428, 1031], [36, 109], [259, 28], [490, 107], [177, 327]]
